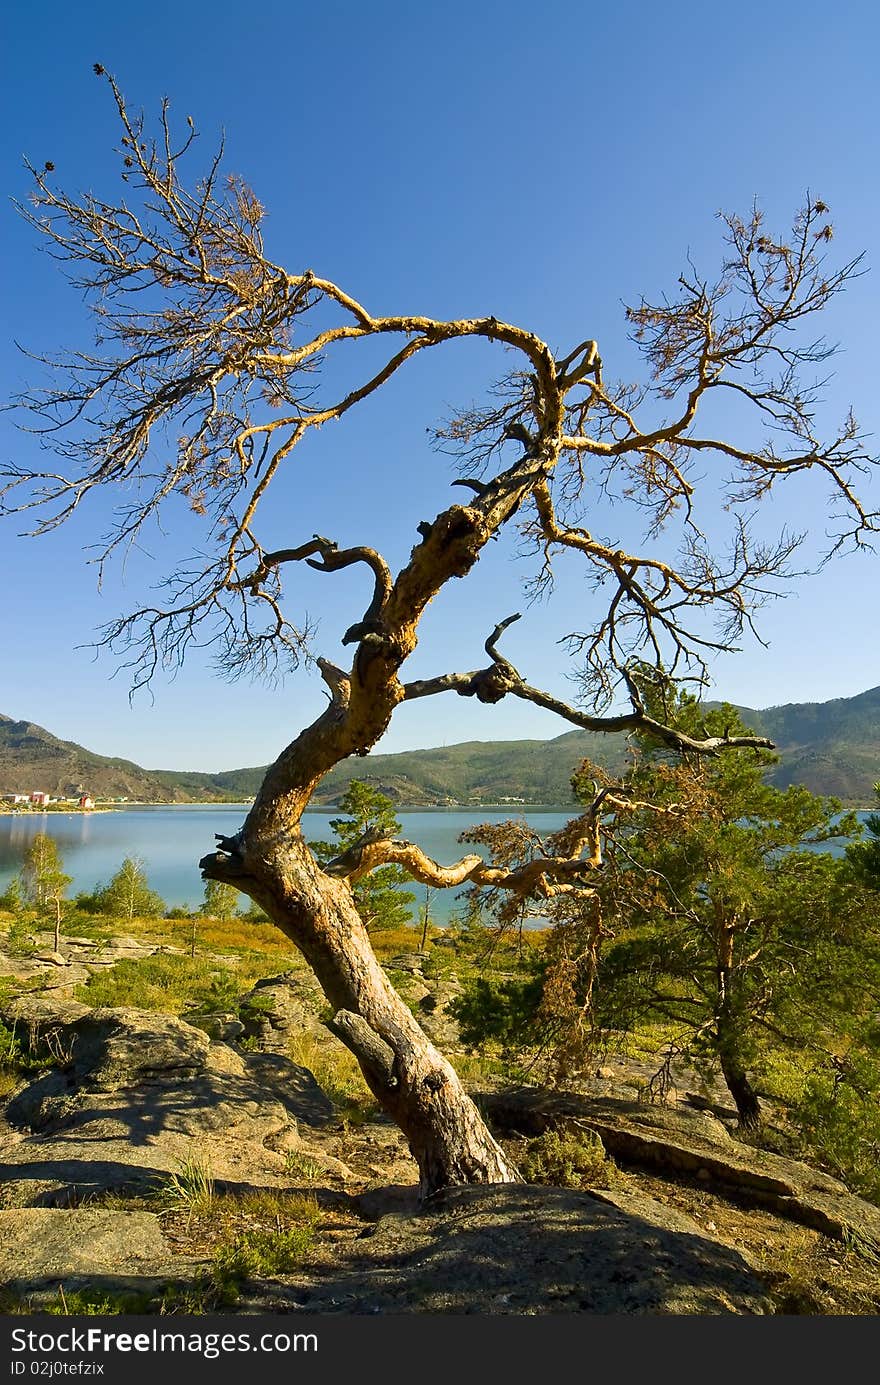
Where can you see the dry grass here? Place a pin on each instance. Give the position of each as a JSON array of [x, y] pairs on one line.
[[388, 942], [337, 1073], [218, 935], [172, 983]]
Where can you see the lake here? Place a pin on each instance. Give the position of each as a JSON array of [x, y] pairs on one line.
[[170, 842]]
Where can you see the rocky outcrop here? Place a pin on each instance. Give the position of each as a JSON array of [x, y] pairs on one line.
[[693, 1142], [131, 1094], [280, 1007], [516, 1249], [75, 961], [86, 1248]]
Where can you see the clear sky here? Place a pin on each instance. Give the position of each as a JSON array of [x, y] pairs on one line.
[[543, 163]]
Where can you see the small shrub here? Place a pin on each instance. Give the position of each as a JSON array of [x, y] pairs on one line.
[[503, 1011], [10, 899], [17, 1061], [567, 1158], [87, 901], [301, 1165], [278, 1231], [19, 938], [87, 1303], [94, 1303], [223, 993], [259, 1254], [207, 1293]]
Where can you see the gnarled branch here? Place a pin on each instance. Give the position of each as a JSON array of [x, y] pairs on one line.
[[500, 678]]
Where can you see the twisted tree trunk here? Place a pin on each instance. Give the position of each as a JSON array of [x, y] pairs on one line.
[[270, 861], [410, 1079]]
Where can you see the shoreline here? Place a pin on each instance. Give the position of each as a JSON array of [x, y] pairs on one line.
[[53, 812]]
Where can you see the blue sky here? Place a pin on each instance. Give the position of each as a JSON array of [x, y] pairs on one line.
[[535, 162]]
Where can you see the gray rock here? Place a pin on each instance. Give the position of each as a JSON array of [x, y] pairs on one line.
[[280, 1007], [53, 971], [406, 961], [434, 1016], [134, 1093], [20, 968], [119, 949], [122, 943], [695, 1143], [41, 1247], [226, 1027], [527, 1250]]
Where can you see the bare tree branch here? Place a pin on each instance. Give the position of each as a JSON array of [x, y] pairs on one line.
[[500, 678]]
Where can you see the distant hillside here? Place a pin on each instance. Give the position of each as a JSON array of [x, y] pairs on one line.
[[831, 747], [31, 758], [472, 772], [481, 771]]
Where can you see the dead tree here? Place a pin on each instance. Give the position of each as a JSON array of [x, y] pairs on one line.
[[202, 383]]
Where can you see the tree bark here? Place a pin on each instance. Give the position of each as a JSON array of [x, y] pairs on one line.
[[728, 1024], [744, 1095], [410, 1078]]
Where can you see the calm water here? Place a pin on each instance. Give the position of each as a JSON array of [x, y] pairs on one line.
[[170, 841]]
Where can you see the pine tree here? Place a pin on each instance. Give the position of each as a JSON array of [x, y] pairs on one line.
[[864, 856], [732, 932], [380, 901]]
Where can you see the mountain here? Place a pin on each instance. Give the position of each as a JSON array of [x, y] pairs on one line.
[[472, 772], [31, 758], [831, 747]]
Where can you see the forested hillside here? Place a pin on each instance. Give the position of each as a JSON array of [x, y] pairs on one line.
[[831, 747]]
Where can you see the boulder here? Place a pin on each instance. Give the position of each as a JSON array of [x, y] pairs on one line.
[[224, 1026], [133, 1094], [42, 1248], [54, 971], [693, 1142], [280, 1007], [518, 1249], [113, 950], [407, 961], [433, 1012]]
